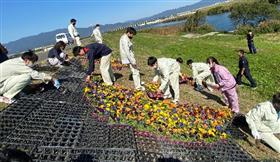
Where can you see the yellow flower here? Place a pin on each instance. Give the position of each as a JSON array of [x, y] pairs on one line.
[[86, 90]]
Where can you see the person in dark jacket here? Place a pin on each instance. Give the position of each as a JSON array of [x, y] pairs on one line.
[[3, 53], [94, 52], [244, 70], [56, 56], [250, 41]]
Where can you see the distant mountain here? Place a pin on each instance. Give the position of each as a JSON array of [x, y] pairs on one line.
[[48, 38]]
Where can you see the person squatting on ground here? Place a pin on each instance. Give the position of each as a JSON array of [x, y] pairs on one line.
[[127, 56], [94, 52], [201, 72], [97, 34], [56, 56], [3, 53], [264, 122], [169, 71], [73, 32], [17, 73], [225, 82], [244, 70], [250, 42]]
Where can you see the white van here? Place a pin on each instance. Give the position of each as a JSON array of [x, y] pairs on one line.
[[65, 37]]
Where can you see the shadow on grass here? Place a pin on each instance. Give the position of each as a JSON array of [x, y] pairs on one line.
[[131, 78], [118, 75], [213, 97]]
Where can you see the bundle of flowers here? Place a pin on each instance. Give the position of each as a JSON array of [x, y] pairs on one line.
[[115, 63], [186, 121], [185, 79], [151, 89]]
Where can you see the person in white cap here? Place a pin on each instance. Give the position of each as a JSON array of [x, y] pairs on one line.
[[97, 34], [264, 122], [73, 32]]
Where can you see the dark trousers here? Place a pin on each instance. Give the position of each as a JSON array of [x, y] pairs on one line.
[[248, 75], [252, 47]]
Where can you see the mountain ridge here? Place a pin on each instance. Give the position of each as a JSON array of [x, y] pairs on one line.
[[47, 38]]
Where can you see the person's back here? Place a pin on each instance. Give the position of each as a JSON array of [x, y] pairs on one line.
[[98, 50], [268, 122], [264, 121], [224, 77], [200, 67], [168, 64], [13, 67]]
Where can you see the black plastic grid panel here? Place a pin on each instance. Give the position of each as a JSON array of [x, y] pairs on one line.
[[149, 143], [32, 130], [121, 136], [56, 154], [94, 135], [63, 127], [12, 116]]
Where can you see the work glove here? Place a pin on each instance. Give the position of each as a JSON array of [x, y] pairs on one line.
[[256, 134], [56, 84]]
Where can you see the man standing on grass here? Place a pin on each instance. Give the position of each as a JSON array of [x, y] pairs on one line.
[[250, 41], [264, 122], [244, 70], [127, 56], [169, 71], [97, 34], [73, 32], [94, 52]]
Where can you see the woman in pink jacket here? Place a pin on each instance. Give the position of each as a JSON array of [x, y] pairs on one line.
[[225, 82]]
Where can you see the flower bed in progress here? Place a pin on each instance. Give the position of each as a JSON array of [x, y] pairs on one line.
[[187, 121]]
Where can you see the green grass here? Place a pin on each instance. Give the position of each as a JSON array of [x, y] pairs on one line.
[[264, 65]]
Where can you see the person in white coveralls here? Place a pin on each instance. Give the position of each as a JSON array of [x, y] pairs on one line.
[[127, 56], [169, 71], [97, 34], [17, 73], [201, 72], [264, 122], [73, 32]]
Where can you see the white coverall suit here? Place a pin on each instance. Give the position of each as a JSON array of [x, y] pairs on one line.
[[265, 120], [74, 34], [97, 35], [127, 57], [15, 75], [201, 71], [169, 71]]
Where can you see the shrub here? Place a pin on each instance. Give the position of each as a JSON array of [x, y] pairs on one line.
[[243, 29], [194, 21], [269, 26], [205, 28]]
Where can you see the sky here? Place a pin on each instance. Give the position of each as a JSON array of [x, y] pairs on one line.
[[21, 18]]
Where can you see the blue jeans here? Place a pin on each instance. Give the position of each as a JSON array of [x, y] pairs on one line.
[[252, 47]]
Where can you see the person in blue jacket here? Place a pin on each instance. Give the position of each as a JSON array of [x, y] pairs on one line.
[[94, 52], [244, 70]]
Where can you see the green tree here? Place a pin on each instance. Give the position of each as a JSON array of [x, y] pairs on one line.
[[255, 12], [274, 1], [195, 20]]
